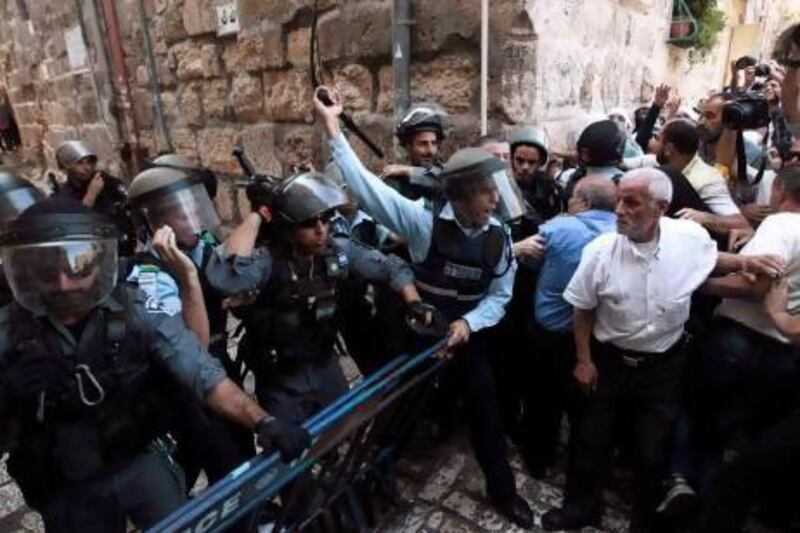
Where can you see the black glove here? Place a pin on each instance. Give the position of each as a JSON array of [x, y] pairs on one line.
[[260, 191], [33, 374], [424, 319], [288, 438]]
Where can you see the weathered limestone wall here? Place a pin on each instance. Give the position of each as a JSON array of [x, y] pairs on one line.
[[53, 99], [553, 63]]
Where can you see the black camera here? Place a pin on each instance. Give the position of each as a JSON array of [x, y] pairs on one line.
[[749, 111]]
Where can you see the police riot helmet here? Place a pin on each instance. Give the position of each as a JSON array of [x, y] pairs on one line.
[[166, 196], [173, 160], [307, 195], [421, 118], [474, 169], [178, 162], [70, 152], [602, 143], [60, 257], [16, 195], [532, 136]]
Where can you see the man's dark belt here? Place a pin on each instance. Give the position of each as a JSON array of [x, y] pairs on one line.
[[634, 359]]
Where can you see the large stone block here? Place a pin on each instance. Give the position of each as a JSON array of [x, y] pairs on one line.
[[450, 81], [258, 141], [355, 84], [518, 84], [215, 98], [332, 35], [195, 61], [296, 145], [199, 17], [253, 12], [184, 141], [189, 104], [255, 52], [247, 97], [172, 29], [215, 146], [288, 96], [143, 107], [87, 108], [440, 20], [369, 29]]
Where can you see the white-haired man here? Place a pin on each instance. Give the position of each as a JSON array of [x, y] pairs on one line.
[[631, 296]]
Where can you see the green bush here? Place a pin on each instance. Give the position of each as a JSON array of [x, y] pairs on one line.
[[711, 21]]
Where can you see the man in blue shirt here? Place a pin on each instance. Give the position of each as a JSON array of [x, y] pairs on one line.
[[558, 246], [463, 262]]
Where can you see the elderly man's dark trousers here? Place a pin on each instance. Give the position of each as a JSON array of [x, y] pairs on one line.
[[652, 391]]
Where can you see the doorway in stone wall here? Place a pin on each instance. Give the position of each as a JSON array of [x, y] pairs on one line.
[[9, 130]]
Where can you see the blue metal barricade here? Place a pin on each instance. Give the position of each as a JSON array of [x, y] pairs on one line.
[[261, 478]]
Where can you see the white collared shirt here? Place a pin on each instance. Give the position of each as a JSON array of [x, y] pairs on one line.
[[641, 294], [778, 234]]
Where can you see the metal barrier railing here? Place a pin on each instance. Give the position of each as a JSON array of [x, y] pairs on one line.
[[347, 419]]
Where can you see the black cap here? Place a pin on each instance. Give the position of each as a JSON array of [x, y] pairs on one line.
[[602, 143]]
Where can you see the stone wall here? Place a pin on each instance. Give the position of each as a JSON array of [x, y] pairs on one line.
[[553, 63]]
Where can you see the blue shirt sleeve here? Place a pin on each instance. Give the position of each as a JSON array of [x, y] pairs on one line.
[[491, 309], [163, 294], [407, 218]]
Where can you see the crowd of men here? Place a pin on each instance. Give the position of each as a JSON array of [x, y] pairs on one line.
[[643, 286]]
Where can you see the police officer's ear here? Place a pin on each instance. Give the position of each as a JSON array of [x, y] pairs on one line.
[[266, 214]]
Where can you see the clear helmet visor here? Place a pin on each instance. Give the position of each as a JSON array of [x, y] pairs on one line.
[[16, 201], [61, 278], [510, 205], [188, 211]]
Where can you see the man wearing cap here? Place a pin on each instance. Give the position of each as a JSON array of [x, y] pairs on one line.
[[601, 148], [529, 154], [88, 377], [420, 132], [464, 266], [96, 189]]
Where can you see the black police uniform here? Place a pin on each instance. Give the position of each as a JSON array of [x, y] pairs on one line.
[[86, 442], [292, 326], [204, 441]]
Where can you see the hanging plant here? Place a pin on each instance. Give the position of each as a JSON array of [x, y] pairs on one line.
[[709, 21]]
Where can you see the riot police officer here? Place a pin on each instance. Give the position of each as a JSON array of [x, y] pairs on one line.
[[87, 373], [178, 162], [292, 325], [420, 132], [601, 146], [464, 266], [95, 188], [16, 195], [180, 224], [529, 154]]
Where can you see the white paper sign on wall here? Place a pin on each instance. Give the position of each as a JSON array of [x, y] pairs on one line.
[[76, 48], [227, 19]]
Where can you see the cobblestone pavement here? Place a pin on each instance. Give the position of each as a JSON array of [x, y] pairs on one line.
[[444, 489], [446, 493]]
